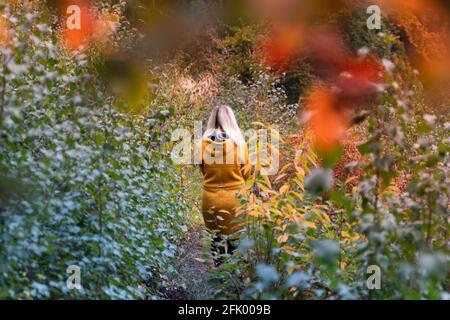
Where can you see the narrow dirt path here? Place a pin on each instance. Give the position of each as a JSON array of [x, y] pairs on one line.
[[191, 280]]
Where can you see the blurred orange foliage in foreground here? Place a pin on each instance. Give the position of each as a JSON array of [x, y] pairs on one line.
[[92, 27], [351, 80], [327, 123]]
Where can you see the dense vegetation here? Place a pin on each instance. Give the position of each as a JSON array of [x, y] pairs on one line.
[[86, 176], [80, 183]]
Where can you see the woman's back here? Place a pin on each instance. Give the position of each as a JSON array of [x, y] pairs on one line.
[[224, 163], [225, 167]]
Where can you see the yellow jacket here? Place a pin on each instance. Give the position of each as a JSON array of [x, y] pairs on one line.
[[225, 167], [224, 164]]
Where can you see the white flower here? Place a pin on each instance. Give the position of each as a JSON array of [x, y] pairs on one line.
[[430, 119], [29, 17], [388, 64], [362, 52], [42, 27], [379, 87]]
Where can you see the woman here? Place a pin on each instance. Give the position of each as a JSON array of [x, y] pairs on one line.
[[225, 168]]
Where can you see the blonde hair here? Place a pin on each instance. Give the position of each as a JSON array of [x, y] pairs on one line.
[[222, 119]]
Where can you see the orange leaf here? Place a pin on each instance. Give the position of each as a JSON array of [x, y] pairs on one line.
[[283, 238]]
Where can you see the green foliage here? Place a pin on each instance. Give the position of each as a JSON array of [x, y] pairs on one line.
[[297, 80], [235, 52], [308, 240], [406, 230], [85, 182], [86, 185]]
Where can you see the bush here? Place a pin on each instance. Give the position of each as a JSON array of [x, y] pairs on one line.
[[91, 189], [307, 240]]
